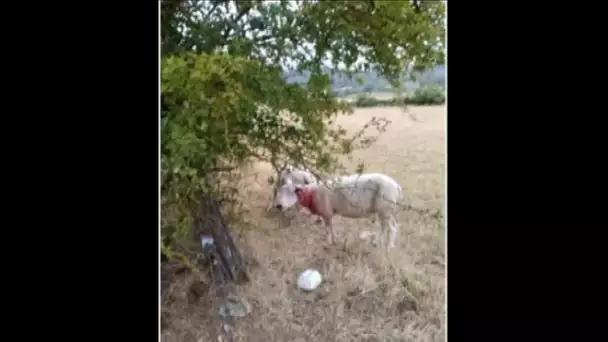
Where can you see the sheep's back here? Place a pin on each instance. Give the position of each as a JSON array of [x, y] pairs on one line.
[[360, 195]]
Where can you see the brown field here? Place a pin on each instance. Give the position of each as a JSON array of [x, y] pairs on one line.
[[379, 95], [365, 295]]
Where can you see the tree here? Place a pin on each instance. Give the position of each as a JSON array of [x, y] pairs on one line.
[[225, 98]]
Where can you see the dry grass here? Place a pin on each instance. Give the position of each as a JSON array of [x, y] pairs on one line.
[[380, 95], [366, 295]]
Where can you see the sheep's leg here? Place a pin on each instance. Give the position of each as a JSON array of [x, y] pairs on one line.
[[316, 219], [393, 237], [385, 226], [329, 229]]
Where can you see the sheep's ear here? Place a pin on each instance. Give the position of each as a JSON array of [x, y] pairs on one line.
[[270, 180]]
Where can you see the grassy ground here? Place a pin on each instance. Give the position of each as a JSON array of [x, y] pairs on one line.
[[366, 296]]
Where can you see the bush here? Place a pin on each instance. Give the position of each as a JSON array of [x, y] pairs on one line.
[[422, 96], [221, 111], [431, 95], [363, 101]]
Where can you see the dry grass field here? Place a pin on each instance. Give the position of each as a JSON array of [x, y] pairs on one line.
[[366, 295], [379, 95]]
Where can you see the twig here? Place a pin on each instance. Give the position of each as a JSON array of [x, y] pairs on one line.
[[234, 22], [215, 6]]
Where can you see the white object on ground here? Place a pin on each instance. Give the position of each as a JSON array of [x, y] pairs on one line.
[[309, 280], [206, 241]]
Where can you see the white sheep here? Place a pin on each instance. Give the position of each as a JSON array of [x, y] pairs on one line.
[[352, 196]]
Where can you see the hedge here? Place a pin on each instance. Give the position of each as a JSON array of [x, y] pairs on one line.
[[421, 96]]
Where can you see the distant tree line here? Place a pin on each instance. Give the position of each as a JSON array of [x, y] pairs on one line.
[[369, 81]]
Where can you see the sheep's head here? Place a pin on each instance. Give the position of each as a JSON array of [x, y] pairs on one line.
[[287, 195]]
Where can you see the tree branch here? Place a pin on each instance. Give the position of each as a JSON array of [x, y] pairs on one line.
[[234, 22], [416, 4], [215, 6], [244, 11]]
